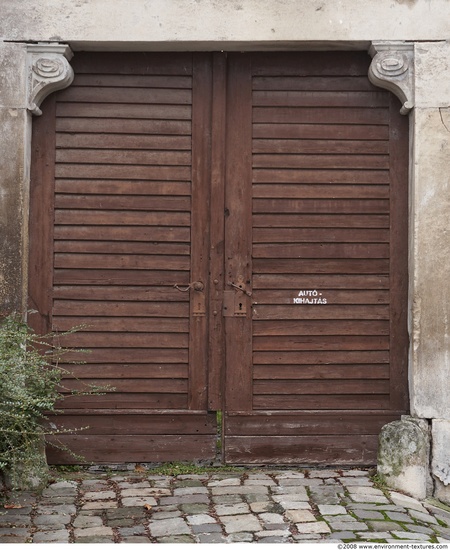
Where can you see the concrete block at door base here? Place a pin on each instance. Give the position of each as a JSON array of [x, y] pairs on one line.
[[403, 456], [440, 464]]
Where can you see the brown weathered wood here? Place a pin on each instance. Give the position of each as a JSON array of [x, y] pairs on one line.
[[335, 343], [120, 172], [127, 95], [120, 293], [318, 146], [399, 257], [319, 98], [130, 401], [40, 267], [320, 387], [118, 111], [308, 250], [304, 115], [320, 311], [111, 308], [216, 344], [331, 296], [341, 402], [345, 265], [323, 131], [313, 83], [100, 217], [268, 175], [123, 126], [122, 247], [129, 385], [125, 156], [120, 141], [119, 324], [375, 162], [320, 372], [118, 261], [321, 327], [319, 357], [124, 340], [201, 177], [281, 191], [318, 234], [320, 206], [298, 282], [119, 277], [126, 370], [134, 81], [238, 241], [115, 233]]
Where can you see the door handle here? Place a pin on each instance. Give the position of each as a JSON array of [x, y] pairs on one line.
[[197, 285], [240, 287]]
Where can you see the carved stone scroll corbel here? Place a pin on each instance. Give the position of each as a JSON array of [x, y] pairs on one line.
[[48, 70], [392, 68]]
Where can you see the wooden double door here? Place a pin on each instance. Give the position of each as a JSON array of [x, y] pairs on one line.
[[232, 232]]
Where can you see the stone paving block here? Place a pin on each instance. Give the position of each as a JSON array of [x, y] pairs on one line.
[[168, 527], [316, 527], [271, 517], [240, 537], [138, 501], [356, 481], [420, 529], [13, 531], [100, 531], [376, 507], [244, 522], [300, 516], [259, 482], [443, 540], [384, 525], [190, 491], [407, 502], [99, 505], [255, 498], [14, 540], [345, 535], [331, 509], [132, 531], [136, 540], [128, 512], [177, 539], [293, 504], [289, 474], [355, 473], [423, 516], [151, 491], [188, 483], [206, 528], [87, 521], [211, 538], [200, 477], [185, 499], [259, 507], [273, 533], [61, 535], [200, 519], [65, 509], [191, 509], [410, 536], [224, 482], [356, 490], [46, 522], [227, 499], [373, 499], [16, 520], [398, 516], [232, 509], [369, 514], [298, 491], [374, 535], [348, 525], [307, 537]]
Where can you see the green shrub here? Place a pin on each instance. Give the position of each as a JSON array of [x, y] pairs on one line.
[[30, 380]]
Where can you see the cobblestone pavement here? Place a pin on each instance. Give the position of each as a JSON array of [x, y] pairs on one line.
[[262, 506]]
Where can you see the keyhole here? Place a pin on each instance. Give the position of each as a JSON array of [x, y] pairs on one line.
[[240, 307]]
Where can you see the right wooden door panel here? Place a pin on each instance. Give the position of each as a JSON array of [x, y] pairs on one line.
[[319, 165]]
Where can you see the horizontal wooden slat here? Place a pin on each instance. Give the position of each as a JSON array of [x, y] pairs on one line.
[[320, 220], [125, 401], [143, 422], [89, 339], [320, 311], [118, 233], [107, 449], [369, 162], [121, 293], [118, 261], [320, 387], [136, 386], [302, 450], [127, 370], [128, 203], [320, 372], [313, 83], [314, 115], [321, 206], [123, 126], [139, 355], [322, 131], [321, 250], [319, 357], [129, 95], [119, 324], [331, 296], [121, 247], [125, 156], [316, 146], [319, 98], [123, 141], [332, 327], [119, 277], [118, 111], [100, 217], [336, 343], [267, 175], [133, 187], [317, 191], [318, 234], [170, 173], [97, 308], [298, 282], [133, 81], [338, 402], [321, 266]]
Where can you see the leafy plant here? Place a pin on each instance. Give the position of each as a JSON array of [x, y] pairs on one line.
[[30, 384]]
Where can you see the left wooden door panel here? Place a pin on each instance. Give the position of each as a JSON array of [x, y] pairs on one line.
[[118, 217]]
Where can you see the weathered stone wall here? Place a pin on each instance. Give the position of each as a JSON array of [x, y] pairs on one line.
[[258, 25]]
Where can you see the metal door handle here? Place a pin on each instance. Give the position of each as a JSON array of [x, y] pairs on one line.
[[241, 288], [196, 285]]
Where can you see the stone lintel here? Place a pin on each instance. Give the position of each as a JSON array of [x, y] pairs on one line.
[[392, 68], [48, 71]]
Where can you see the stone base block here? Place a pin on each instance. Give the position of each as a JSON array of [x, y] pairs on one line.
[[403, 456], [440, 465]]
